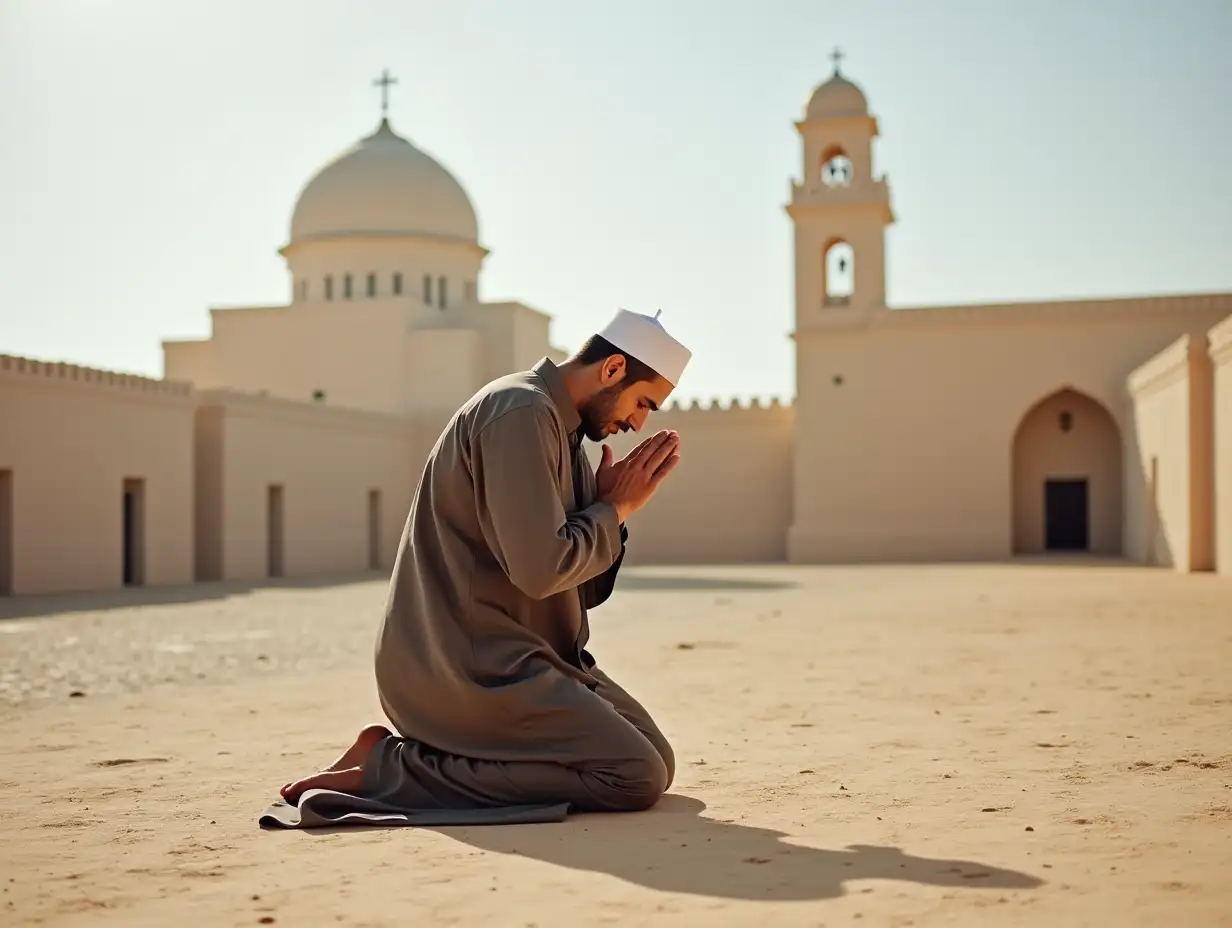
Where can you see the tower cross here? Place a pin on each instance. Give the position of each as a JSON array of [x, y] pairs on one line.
[[836, 56], [384, 82]]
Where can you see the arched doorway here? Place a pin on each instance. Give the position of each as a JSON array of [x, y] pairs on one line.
[[1067, 477]]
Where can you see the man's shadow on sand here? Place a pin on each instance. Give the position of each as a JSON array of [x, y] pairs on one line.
[[672, 848]]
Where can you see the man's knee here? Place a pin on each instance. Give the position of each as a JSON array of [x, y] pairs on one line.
[[668, 757], [645, 780], [634, 784]]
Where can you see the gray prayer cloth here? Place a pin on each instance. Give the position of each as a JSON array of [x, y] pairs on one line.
[[322, 808], [480, 660]]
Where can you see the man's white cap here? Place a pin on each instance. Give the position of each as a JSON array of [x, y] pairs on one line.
[[645, 339]]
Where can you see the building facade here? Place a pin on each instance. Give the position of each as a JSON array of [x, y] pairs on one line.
[[290, 441]]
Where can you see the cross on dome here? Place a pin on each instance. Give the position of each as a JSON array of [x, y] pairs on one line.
[[384, 82]]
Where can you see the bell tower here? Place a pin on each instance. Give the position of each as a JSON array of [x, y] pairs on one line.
[[840, 210]]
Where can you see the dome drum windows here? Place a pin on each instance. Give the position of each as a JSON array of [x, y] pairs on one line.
[[439, 288], [372, 288]]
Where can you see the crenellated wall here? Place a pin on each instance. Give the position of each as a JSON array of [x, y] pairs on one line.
[[198, 467], [59, 373], [74, 441], [730, 498], [719, 404]]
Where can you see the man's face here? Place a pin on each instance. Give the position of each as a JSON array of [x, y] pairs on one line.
[[617, 407]]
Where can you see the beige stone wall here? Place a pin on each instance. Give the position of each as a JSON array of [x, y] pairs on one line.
[[70, 438], [1221, 362], [189, 361], [414, 358], [729, 500], [442, 368], [322, 465], [531, 338], [907, 421], [1171, 411], [515, 337], [355, 352]]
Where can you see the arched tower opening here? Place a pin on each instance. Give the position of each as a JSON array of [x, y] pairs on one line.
[[836, 168], [1067, 477], [838, 273]]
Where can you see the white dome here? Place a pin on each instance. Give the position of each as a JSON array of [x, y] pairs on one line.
[[837, 97], [384, 185]]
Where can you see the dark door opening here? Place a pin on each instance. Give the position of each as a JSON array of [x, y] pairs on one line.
[[273, 516], [6, 533], [134, 532], [1066, 515], [374, 529]]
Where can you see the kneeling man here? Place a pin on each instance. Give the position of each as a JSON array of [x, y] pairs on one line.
[[481, 661]]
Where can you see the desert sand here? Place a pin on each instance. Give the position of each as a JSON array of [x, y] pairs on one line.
[[1024, 744]]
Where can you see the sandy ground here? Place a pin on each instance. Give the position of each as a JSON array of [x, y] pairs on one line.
[[1009, 745]]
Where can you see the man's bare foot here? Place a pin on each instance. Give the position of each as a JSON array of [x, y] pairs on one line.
[[339, 781], [357, 753], [346, 774]]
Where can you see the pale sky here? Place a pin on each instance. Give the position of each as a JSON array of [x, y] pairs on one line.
[[633, 154]]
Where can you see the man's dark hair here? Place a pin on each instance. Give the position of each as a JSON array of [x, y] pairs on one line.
[[597, 348]]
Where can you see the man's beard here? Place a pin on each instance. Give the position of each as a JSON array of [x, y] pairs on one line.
[[597, 413]]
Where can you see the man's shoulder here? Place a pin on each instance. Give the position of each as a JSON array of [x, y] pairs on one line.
[[518, 396]]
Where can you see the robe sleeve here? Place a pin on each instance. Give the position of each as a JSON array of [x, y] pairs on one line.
[[596, 592], [543, 550]]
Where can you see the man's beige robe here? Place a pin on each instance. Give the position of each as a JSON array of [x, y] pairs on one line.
[[481, 663]]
